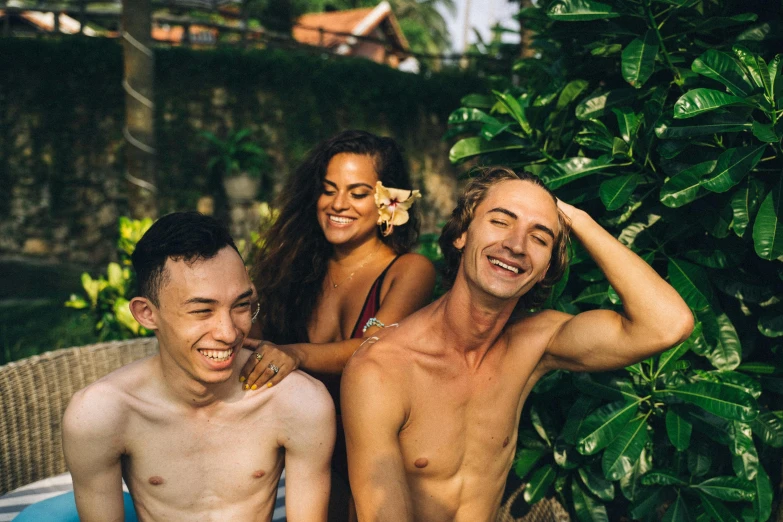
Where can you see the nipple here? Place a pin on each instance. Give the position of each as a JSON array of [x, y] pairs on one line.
[[421, 462], [258, 474], [505, 442], [156, 480]]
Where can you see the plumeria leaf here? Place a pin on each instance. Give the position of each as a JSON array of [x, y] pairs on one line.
[[539, 483], [701, 100], [587, 509], [597, 484], [638, 59], [620, 456], [679, 430], [678, 511], [581, 11], [768, 427], [558, 174], [744, 203], [526, 459], [615, 192], [762, 500], [723, 401], [730, 489], [731, 167], [767, 231], [603, 425], [724, 68], [686, 186]]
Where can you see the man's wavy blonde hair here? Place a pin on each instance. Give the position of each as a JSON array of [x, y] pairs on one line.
[[475, 192]]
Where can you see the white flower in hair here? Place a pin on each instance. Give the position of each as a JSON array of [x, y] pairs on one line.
[[393, 205]]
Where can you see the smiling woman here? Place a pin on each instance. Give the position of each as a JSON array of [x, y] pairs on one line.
[[336, 267]]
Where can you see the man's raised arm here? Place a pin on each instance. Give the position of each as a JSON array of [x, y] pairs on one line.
[[654, 315], [372, 416], [92, 453]]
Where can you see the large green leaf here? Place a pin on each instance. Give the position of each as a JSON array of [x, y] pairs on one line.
[[474, 146], [515, 110], [628, 123], [724, 68], [468, 115], [685, 186], [539, 483], [706, 125], [663, 478], [678, 511], [765, 132], [570, 93], [771, 325], [587, 509], [621, 455], [756, 66], [679, 430], [762, 501], [716, 509], [646, 504], [723, 401], [478, 101], [629, 234], [691, 283], [730, 489], [744, 203], [603, 425], [576, 416], [526, 459], [596, 105], [615, 191], [699, 458], [580, 11], [767, 232], [597, 484], [638, 59], [775, 69], [563, 172], [605, 387], [631, 484], [732, 166], [737, 380], [745, 458], [699, 101], [726, 352], [593, 294], [769, 428]]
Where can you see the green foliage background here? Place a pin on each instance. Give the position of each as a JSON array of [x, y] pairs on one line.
[[661, 118]]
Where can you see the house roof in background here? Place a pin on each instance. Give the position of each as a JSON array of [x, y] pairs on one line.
[[357, 22]]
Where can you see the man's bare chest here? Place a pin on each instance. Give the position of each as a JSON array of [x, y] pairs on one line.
[[216, 461]]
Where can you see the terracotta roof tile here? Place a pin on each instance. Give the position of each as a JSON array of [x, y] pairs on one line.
[[306, 30]]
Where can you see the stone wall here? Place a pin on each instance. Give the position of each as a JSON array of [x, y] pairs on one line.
[[62, 184]]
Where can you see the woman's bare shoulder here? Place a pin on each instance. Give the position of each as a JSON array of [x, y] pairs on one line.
[[412, 265]]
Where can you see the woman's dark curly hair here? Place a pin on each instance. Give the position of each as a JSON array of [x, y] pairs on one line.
[[463, 214], [289, 269]]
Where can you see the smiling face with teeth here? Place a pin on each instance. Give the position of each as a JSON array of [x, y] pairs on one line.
[[508, 245], [203, 317], [346, 208]]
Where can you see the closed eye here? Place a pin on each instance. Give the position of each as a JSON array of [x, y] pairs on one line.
[[359, 196], [498, 222]]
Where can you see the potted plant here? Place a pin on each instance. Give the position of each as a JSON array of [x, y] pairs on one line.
[[241, 161]]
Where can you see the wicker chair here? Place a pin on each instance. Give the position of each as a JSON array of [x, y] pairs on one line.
[[33, 395]]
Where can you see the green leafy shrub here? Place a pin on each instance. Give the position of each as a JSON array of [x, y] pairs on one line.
[[662, 119], [108, 297]]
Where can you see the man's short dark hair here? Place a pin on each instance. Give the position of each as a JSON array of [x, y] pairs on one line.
[[475, 192], [189, 236]]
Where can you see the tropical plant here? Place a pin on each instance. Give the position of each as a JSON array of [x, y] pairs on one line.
[[236, 154], [108, 297], [661, 118]]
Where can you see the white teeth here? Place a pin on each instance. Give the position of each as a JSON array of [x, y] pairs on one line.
[[504, 265], [218, 355], [341, 220]]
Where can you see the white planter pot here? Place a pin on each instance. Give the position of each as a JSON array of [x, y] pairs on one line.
[[242, 187]]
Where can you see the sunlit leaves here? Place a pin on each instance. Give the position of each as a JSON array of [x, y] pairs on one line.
[[685, 187], [615, 191], [731, 167], [730, 489], [563, 172], [701, 100], [723, 401], [724, 68], [581, 10], [539, 483], [620, 456], [603, 425]]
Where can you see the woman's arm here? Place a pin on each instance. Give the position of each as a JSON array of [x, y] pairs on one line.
[[412, 282]]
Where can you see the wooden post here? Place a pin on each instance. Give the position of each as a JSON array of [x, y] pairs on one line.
[[139, 131], [82, 15], [186, 34], [56, 28]]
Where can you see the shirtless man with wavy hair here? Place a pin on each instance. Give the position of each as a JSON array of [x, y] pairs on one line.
[[431, 409]]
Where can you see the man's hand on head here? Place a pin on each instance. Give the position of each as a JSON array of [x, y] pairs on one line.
[[259, 370], [567, 209]]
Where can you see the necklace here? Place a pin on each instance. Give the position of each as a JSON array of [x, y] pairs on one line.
[[350, 276]]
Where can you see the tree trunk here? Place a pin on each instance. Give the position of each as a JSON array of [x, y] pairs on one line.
[[138, 81], [525, 34]]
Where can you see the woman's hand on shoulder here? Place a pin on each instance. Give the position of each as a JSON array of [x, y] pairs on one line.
[[268, 365]]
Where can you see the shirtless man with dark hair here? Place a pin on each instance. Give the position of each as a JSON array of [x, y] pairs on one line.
[[431, 409], [189, 442]]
